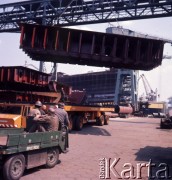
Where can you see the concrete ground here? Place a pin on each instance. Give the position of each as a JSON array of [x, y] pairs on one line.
[[113, 151]]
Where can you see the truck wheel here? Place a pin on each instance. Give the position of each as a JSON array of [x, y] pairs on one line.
[[106, 122], [14, 167], [79, 123], [52, 157], [100, 121]]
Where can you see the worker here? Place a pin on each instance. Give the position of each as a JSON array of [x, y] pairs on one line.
[[36, 110], [43, 110], [48, 122], [62, 115], [63, 121]]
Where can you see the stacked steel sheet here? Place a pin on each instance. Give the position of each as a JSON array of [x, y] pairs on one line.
[[22, 84], [22, 78], [62, 45]]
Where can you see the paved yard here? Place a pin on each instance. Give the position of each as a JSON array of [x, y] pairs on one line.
[[121, 148]]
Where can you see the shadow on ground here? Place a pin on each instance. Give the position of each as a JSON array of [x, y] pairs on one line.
[[161, 161], [92, 130], [36, 169], [133, 122]]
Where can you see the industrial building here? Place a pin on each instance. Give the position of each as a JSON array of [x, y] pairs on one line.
[[99, 86]]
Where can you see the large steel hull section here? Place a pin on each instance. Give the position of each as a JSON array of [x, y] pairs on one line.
[[62, 45], [19, 78], [22, 78]]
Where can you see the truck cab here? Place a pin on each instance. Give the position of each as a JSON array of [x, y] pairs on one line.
[[14, 115]]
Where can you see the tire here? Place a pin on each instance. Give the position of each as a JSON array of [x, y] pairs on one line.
[[14, 167], [71, 126], [79, 123], [106, 120], [100, 121], [52, 157]]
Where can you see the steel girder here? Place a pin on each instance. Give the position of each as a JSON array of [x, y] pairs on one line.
[[79, 12]]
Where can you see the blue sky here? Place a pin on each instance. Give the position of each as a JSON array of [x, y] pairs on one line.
[[159, 78]]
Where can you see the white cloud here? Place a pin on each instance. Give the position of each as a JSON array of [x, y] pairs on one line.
[[0, 41]]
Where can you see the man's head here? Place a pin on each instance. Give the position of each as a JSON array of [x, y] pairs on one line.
[[38, 104], [61, 105], [44, 107]]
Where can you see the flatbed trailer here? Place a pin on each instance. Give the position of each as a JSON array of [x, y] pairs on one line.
[[80, 115], [20, 150], [15, 115]]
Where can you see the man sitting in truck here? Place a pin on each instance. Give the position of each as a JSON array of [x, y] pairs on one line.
[[48, 122], [43, 109], [36, 110]]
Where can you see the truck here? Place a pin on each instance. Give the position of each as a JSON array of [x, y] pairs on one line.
[[150, 108], [20, 150]]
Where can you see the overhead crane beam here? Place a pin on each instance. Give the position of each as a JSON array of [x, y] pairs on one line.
[[80, 12]]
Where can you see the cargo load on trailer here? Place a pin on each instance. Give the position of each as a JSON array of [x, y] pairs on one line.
[[21, 87]]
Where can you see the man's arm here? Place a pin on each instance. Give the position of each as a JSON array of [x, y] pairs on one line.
[[42, 118]]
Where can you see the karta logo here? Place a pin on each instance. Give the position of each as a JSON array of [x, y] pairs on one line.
[[109, 169]]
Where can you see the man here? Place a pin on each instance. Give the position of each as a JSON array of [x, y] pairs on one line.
[[43, 110], [62, 115], [48, 122], [64, 120], [36, 110]]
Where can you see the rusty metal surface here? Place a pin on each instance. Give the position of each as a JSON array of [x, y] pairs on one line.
[[20, 74], [22, 84], [123, 109], [62, 45], [28, 96]]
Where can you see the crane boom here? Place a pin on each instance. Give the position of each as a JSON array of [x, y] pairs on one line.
[[150, 94]]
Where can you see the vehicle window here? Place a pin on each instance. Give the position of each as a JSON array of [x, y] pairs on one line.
[[10, 110], [26, 111]]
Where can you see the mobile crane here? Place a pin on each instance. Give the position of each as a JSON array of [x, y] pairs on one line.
[[150, 94]]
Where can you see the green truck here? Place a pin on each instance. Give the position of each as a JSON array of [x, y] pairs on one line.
[[20, 150]]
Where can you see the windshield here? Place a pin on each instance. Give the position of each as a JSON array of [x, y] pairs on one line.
[[10, 109]]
